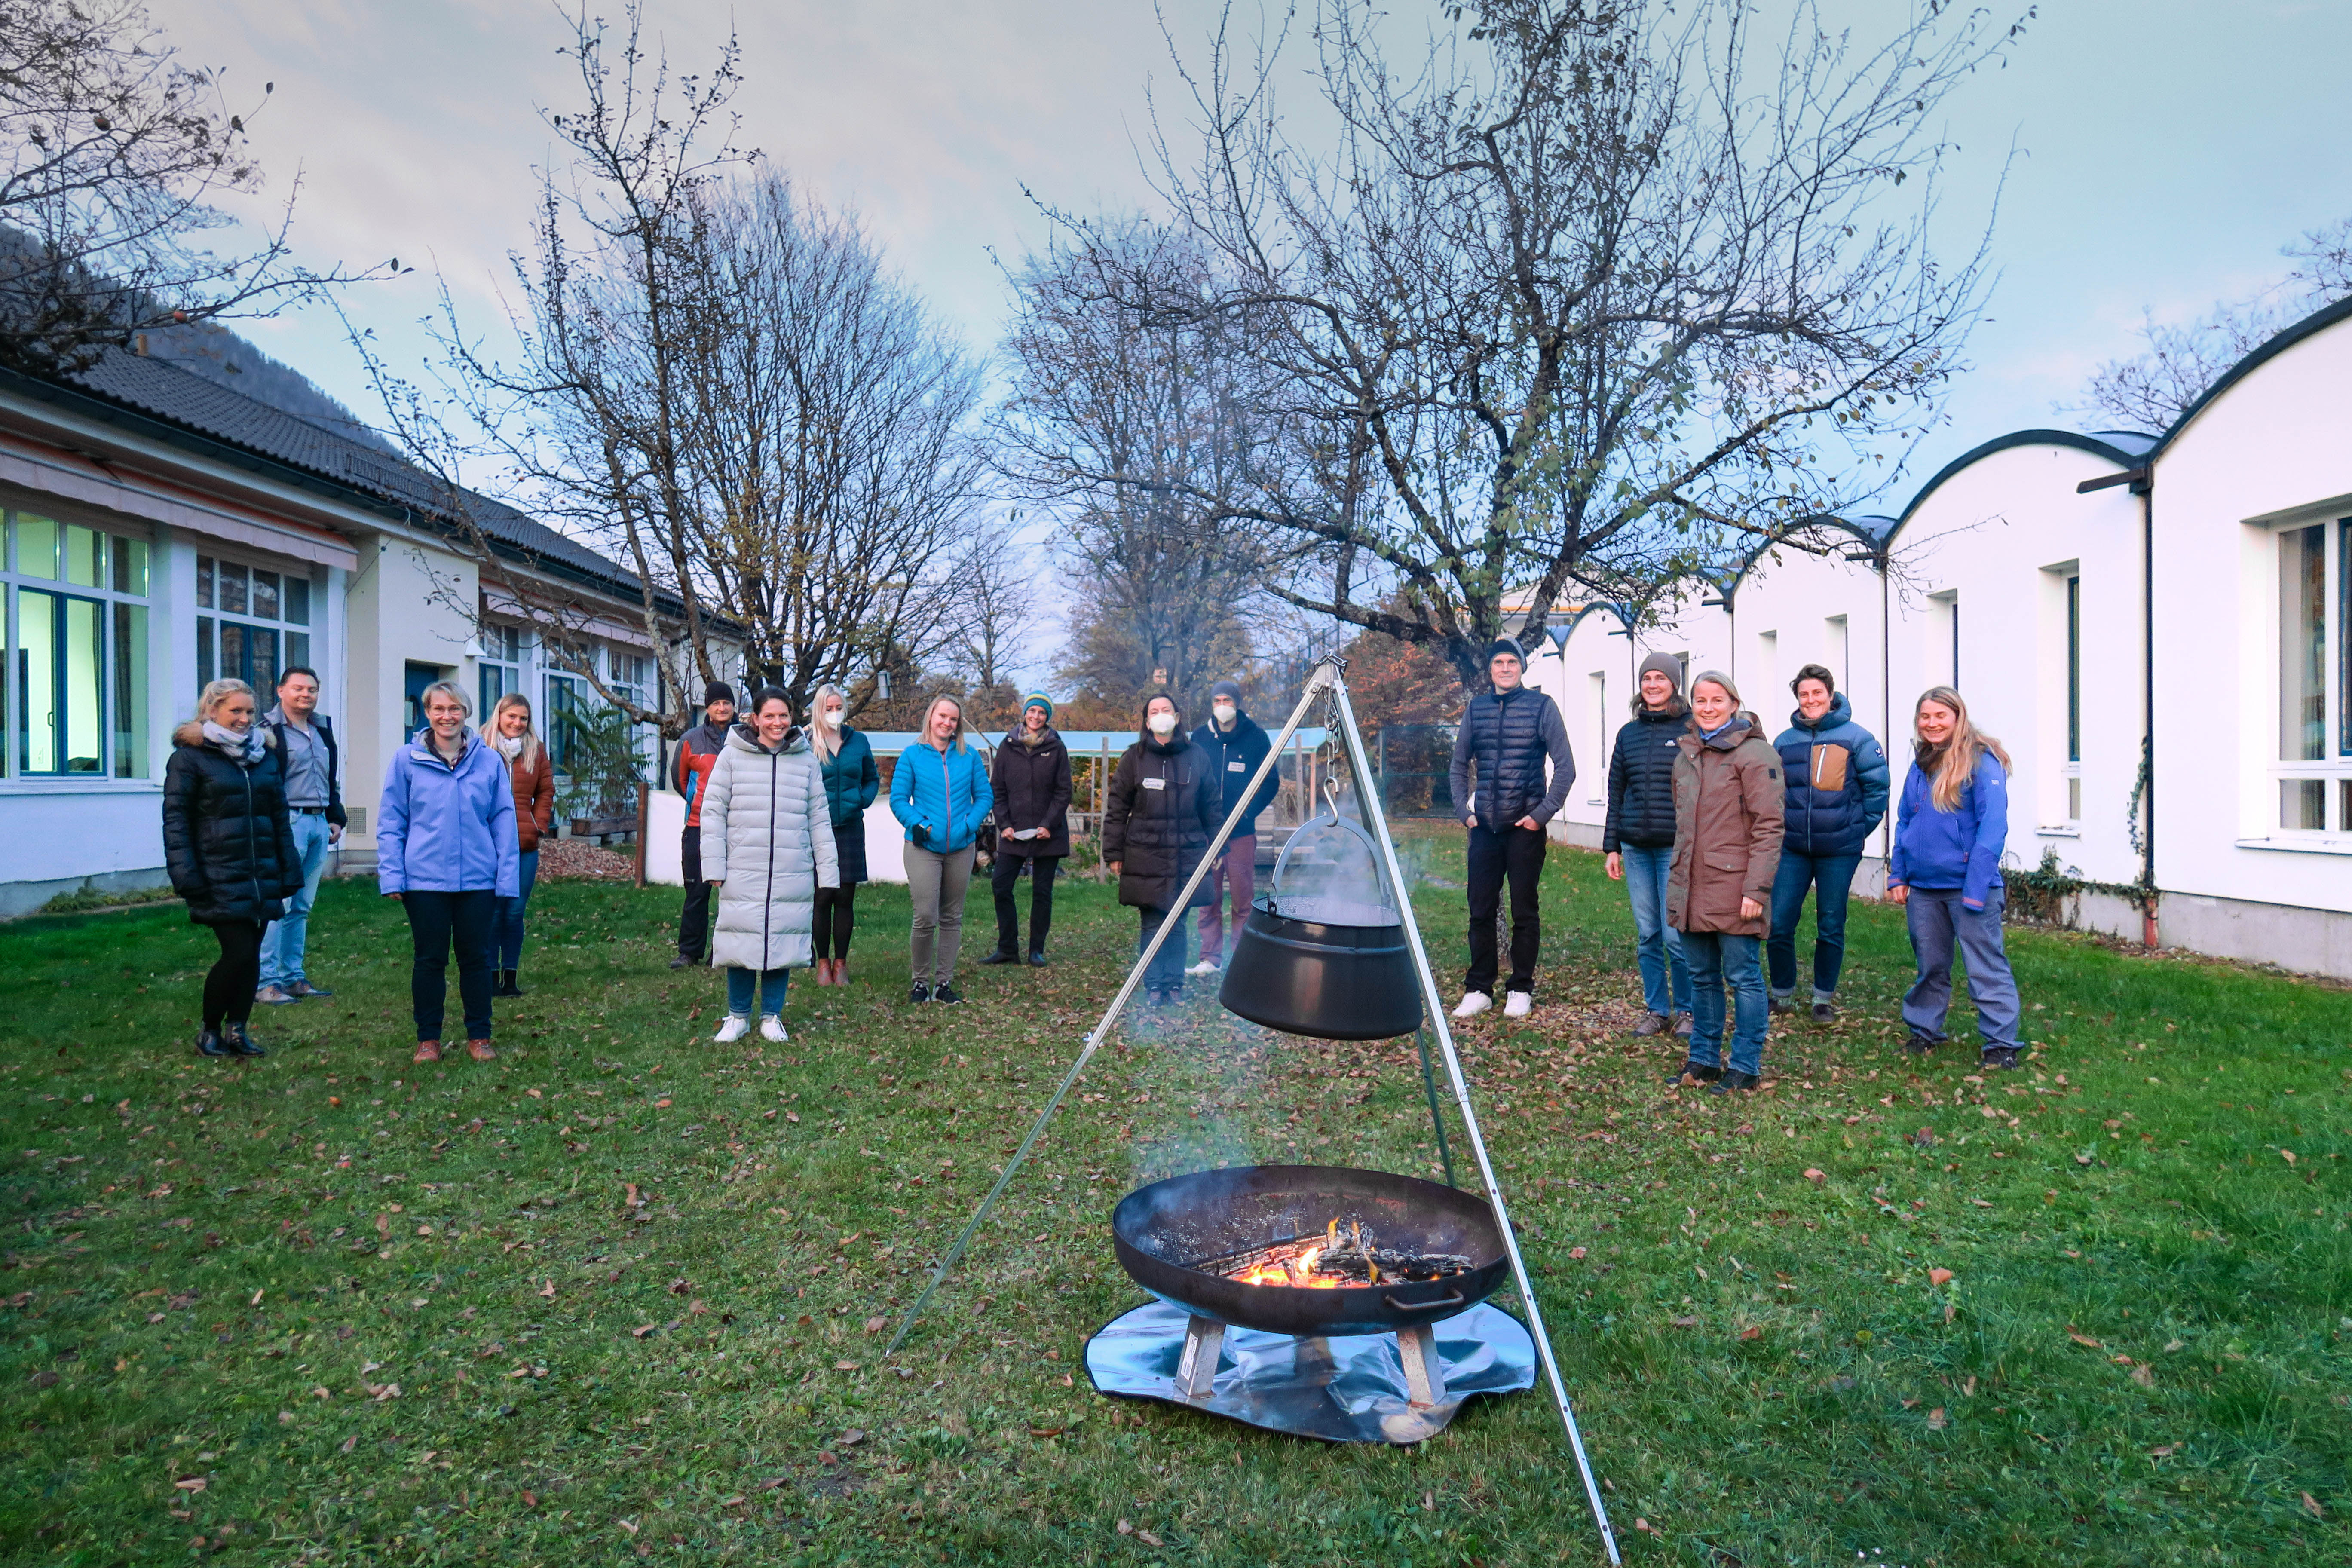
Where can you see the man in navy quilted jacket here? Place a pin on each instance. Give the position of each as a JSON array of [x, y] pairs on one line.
[[1509, 735]]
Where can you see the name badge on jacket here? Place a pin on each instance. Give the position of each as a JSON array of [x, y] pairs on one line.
[[1155, 784], [1236, 767]]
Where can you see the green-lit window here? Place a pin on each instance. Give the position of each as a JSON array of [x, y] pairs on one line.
[[75, 697]]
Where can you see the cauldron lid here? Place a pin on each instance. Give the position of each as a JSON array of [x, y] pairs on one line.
[[1328, 873]]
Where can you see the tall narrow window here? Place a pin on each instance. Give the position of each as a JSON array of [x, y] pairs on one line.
[[1944, 638], [2073, 698], [1599, 774], [1835, 631], [2302, 644]]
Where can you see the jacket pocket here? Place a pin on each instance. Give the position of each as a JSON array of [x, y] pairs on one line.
[[1723, 861]]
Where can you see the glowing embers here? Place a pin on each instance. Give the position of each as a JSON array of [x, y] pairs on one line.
[[1336, 1260]]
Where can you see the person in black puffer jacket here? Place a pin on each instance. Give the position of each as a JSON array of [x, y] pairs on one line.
[[1159, 815], [228, 843], [1507, 735], [1639, 837], [1031, 780]]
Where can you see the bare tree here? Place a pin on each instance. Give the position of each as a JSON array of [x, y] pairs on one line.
[[2152, 389], [721, 385], [112, 155], [1574, 299], [1136, 426], [997, 607]]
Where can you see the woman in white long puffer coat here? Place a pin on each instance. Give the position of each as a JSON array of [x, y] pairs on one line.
[[767, 847]]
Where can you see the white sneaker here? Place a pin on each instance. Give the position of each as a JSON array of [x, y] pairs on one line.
[[772, 1028], [1205, 966], [1517, 1004], [737, 1025], [1473, 1003]]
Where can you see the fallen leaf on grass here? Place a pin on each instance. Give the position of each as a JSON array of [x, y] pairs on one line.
[[192, 1484], [2165, 1452], [1939, 1277], [1815, 1175], [875, 1325], [529, 1500], [2311, 1506], [1980, 1202], [1148, 1539], [845, 1366], [1126, 1527], [1047, 1431], [1576, 1252], [548, 1291], [770, 1486], [1642, 1525], [2085, 1339], [1685, 1322], [642, 1331], [2144, 1374], [1936, 1420], [2288, 1155], [1754, 1334], [351, 1442]]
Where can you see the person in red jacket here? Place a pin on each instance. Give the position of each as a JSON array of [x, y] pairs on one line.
[[698, 754]]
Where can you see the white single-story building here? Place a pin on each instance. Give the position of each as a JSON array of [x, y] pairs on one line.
[[2154, 626], [158, 530]]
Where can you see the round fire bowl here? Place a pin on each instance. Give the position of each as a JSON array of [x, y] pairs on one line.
[[1164, 1232]]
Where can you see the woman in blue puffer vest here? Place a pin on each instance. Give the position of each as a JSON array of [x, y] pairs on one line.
[[1945, 873], [1837, 779]]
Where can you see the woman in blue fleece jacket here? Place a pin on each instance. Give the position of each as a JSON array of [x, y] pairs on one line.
[[1945, 873]]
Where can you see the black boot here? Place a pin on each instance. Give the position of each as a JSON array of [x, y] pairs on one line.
[[210, 1044], [1735, 1081], [1999, 1059], [1002, 955], [1693, 1070], [1037, 961], [512, 988], [245, 1044]]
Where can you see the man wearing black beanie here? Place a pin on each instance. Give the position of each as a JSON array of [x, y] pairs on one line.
[[698, 754], [1507, 734]]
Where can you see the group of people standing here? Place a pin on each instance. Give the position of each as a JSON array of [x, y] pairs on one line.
[[1721, 836], [252, 803]]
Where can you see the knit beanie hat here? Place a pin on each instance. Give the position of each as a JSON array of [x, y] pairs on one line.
[[1038, 700], [1666, 664], [718, 691], [1502, 645], [1227, 688]]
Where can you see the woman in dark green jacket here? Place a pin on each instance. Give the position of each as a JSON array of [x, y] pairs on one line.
[[850, 784]]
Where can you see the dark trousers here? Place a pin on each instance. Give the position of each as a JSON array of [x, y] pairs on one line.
[[234, 976], [1235, 872], [1515, 855], [694, 924], [1832, 878], [437, 920], [837, 916], [1167, 970], [1002, 880]]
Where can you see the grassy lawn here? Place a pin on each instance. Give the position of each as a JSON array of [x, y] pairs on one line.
[[618, 1295]]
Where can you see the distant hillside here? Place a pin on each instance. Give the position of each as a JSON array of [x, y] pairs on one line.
[[220, 356]]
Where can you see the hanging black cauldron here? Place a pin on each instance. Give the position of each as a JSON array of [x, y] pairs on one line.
[[1323, 953]]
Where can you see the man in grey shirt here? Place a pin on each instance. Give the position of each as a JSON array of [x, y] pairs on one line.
[[314, 800]]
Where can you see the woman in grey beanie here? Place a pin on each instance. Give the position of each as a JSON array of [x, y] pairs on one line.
[[1638, 837]]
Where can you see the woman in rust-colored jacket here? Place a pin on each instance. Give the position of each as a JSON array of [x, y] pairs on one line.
[[533, 776], [1728, 823]]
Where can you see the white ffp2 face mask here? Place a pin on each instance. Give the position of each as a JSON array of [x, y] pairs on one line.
[[1163, 723], [1224, 712]]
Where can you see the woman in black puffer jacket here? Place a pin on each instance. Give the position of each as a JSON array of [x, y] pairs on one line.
[[229, 845], [1639, 837], [1162, 810]]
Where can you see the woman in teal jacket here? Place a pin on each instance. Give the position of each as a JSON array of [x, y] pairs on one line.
[[851, 783], [940, 791]]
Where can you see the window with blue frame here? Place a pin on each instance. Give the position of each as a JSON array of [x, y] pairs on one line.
[[75, 700]]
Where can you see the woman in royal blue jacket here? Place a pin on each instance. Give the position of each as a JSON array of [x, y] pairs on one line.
[[1946, 872], [446, 848], [939, 792]]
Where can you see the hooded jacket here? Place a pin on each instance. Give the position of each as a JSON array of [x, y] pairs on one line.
[[1033, 789], [767, 840], [1233, 755], [1839, 818], [1508, 735], [945, 792], [1940, 850], [698, 754], [1727, 814], [851, 783], [1642, 780], [447, 828], [228, 842], [1157, 818]]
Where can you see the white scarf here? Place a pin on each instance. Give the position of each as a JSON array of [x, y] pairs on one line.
[[509, 746], [244, 747]]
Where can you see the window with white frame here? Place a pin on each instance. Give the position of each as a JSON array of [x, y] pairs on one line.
[[251, 623], [500, 670], [1600, 773], [2314, 727], [76, 692]]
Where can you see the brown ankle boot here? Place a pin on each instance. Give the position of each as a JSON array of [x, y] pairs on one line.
[[481, 1050], [427, 1051]]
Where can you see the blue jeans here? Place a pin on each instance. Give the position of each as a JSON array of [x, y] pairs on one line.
[[1665, 977], [1833, 875], [1714, 958], [281, 950], [508, 952], [1939, 923], [1167, 970], [770, 984]]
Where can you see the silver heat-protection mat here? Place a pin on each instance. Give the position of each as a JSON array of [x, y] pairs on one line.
[[1340, 1388]]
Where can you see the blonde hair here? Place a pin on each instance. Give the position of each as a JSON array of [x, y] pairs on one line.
[[216, 693], [1956, 763], [489, 731], [449, 688], [931, 709], [824, 737]]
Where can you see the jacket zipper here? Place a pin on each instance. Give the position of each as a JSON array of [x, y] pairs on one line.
[[253, 858], [769, 903]]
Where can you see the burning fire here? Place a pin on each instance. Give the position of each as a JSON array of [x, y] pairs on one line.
[[1298, 1272]]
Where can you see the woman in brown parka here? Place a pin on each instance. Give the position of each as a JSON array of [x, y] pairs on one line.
[[533, 777], [1727, 804]]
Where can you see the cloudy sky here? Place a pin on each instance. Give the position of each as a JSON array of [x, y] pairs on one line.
[[2157, 152]]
